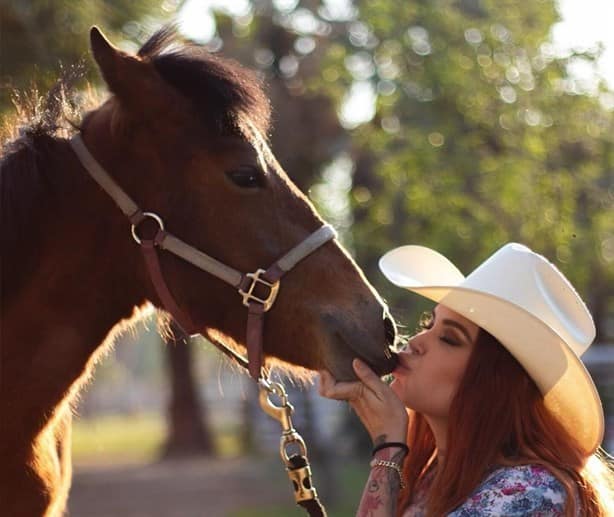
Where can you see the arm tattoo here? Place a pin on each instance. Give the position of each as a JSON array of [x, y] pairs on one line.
[[379, 498], [379, 440]]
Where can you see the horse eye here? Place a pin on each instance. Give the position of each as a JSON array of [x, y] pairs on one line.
[[247, 176]]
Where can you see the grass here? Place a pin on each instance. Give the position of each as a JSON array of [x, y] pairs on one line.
[[352, 477], [137, 439], [117, 439]]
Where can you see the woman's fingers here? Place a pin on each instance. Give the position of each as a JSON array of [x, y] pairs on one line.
[[332, 389], [352, 391], [380, 411], [368, 377]]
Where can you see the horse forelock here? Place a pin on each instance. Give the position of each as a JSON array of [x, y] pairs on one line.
[[222, 92]]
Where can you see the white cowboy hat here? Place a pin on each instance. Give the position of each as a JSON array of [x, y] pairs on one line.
[[531, 308]]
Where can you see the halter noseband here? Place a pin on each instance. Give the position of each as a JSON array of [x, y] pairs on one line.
[[245, 283]]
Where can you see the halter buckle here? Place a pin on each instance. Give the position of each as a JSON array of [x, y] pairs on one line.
[[248, 295]]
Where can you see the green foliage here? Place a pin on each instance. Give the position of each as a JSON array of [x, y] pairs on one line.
[[480, 137], [480, 134], [39, 35]]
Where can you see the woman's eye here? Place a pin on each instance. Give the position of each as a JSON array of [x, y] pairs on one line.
[[449, 341], [247, 176]]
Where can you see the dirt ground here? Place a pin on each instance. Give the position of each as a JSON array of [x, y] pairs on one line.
[[191, 488]]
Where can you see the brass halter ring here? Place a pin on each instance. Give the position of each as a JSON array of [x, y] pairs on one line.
[[153, 216]]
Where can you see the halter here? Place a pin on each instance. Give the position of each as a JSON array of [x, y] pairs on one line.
[[245, 283]]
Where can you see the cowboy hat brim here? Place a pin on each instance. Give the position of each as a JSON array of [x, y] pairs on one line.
[[568, 389]]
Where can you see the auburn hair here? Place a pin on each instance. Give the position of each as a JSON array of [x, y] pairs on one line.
[[498, 418]]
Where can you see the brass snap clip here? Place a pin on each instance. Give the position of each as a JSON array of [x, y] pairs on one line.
[[281, 413], [300, 476]]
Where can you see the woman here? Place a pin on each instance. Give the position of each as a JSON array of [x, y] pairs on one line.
[[491, 412]]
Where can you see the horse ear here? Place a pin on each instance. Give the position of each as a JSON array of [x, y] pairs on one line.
[[132, 79], [118, 68]]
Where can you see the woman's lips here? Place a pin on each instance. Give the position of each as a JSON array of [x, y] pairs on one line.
[[402, 367]]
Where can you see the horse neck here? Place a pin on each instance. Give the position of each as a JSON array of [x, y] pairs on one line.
[[81, 274]]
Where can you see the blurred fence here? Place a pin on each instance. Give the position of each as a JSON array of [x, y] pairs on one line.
[[599, 360]]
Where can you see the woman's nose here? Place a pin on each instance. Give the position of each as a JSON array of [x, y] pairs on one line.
[[414, 346]]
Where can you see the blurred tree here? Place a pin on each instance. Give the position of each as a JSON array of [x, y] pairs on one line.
[[480, 136], [187, 434]]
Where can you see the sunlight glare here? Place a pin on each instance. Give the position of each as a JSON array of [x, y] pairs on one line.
[[583, 26], [196, 21], [359, 105]]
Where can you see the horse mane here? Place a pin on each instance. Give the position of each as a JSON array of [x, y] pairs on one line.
[[227, 98], [32, 144]]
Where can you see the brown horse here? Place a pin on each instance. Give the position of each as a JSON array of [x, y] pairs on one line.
[[182, 134]]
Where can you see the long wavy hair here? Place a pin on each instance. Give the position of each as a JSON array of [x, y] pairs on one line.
[[498, 417]]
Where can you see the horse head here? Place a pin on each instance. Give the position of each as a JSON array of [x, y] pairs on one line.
[[185, 134]]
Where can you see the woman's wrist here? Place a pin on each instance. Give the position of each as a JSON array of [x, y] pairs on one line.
[[393, 453], [392, 465], [393, 433], [390, 445], [390, 456]]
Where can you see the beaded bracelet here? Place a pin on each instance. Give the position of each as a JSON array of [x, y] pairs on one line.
[[391, 465], [384, 445]]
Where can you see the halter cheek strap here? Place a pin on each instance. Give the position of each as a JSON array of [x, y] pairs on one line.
[[245, 283]]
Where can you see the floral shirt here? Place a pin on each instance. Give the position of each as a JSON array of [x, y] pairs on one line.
[[519, 491]]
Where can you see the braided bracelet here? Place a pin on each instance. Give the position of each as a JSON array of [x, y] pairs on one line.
[[391, 465], [384, 445]]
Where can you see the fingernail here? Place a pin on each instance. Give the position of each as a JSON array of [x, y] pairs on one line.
[[358, 364]]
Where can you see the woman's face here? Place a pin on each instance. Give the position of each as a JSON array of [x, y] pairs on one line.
[[431, 367]]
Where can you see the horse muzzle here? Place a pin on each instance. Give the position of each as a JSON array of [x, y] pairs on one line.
[[373, 343]]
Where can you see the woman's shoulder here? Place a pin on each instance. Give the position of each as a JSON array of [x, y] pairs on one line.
[[516, 490]]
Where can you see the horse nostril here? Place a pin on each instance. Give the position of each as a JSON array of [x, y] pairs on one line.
[[390, 330]]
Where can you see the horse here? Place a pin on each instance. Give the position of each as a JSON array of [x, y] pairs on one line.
[[184, 133]]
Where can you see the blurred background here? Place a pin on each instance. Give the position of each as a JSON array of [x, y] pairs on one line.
[[456, 124]]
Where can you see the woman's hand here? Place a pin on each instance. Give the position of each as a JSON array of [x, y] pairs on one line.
[[380, 410]]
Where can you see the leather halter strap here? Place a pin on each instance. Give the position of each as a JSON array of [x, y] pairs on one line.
[[244, 283]]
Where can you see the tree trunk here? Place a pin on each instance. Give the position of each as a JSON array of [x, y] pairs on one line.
[[188, 433]]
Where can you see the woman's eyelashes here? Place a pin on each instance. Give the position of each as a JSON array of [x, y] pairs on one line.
[[449, 340], [427, 322]]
